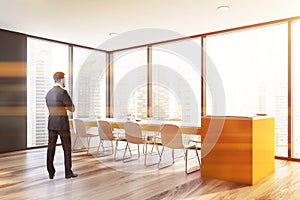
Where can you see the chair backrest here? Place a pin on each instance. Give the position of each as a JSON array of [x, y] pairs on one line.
[[133, 133], [105, 130], [171, 136], [79, 127]]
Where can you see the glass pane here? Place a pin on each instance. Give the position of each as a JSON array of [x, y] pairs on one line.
[[296, 89], [176, 82], [130, 84], [252, 65], [43, 59], [89, 83]]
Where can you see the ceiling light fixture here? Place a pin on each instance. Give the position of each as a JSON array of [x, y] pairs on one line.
[[112, 34], [223, 8]]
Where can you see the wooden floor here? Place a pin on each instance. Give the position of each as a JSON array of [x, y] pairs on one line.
[[23, 175]]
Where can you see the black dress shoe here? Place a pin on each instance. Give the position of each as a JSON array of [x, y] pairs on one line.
[[51, 176], [71, 175]]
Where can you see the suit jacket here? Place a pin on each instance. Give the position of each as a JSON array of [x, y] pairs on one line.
[[58, 102]]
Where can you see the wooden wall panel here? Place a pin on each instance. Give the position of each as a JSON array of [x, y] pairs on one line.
[[13, 92]]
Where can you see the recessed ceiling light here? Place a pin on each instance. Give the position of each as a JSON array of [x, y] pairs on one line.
[[223, 8], [112, 34]]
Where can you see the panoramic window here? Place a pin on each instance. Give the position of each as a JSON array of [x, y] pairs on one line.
[[176, 82], [296, 89], [130, 84], [43, 59], [253, 74], [89, 83]]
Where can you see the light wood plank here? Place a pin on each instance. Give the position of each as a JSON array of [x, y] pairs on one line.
[[23, 175]]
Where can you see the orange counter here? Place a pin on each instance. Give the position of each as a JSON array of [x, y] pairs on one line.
[[243, 151]]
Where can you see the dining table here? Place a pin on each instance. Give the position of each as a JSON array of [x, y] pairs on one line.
[[146, 124]]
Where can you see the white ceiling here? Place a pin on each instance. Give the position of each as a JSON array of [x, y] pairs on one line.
[[89, 22]]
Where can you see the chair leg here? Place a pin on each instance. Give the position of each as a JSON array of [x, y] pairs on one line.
[[152, 149], [169, 164], [186, 160], [156, 146], [100, 143], [160, 157], [131, 156], [199, 161], [88, 143], [143, 148], [159, 154], [129, 150], [127, 146], [125, 151], [112, 147], [116, 149], [173, 157], [87, 139], [139, 150], [145, 163], [75, 142]]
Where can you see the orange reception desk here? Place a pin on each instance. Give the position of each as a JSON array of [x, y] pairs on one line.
[[238, 149]]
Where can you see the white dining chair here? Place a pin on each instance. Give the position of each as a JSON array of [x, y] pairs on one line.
[[80, 131], [171, 137], [133, 134], [106, 133]]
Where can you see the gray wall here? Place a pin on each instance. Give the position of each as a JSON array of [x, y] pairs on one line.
[[13, 55]]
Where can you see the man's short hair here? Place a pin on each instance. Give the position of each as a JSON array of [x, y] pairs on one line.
[[58, 75]]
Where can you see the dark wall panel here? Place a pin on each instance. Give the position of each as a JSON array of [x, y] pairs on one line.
[[13, 92], [13, 135]]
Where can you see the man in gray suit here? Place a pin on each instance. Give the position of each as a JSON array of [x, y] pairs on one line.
[[58, 102]]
